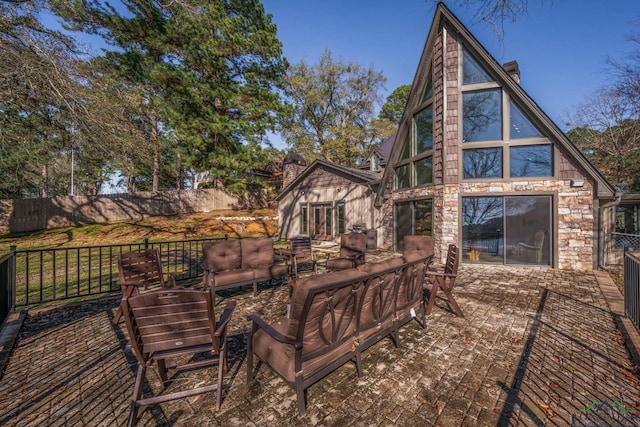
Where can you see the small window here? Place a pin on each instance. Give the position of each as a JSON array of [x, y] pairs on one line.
[[428, 88], [521, 127], [531, 160], [423, 125], [404, 154], [423, 171], [340, 220], [402, 177], [482, 115], [482, 163], [304, 219], [472, 72], [328, 217]]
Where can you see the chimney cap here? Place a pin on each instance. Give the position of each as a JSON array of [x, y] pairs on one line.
[[512, 68], [295, 159]]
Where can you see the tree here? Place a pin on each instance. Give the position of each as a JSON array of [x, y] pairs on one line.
[[394, 105], [207, 72], [607, 130], [331, 105]]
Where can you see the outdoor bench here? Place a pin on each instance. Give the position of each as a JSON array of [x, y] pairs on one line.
[[234, 263], [334, 317]]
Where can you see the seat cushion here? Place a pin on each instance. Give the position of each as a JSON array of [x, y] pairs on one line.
[[269, 271], [281, 357], [222, 255], [225, 278], [339, 263], [374, 267], [257, 252]]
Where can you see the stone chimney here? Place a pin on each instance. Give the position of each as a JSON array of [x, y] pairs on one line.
[[292, 166], [513, 69]]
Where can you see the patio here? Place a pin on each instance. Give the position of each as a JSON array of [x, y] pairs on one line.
[[536, 347]]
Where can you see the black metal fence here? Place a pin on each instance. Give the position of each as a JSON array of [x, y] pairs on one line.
[[44, 275], [632, 288], [7, 282]]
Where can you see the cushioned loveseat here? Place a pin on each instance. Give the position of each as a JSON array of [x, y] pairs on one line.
[[233, 263], [335, 317]]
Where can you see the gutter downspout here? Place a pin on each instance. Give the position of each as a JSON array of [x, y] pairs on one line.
[[616, 202]]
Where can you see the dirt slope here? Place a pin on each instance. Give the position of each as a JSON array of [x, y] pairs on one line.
[[254, 223]]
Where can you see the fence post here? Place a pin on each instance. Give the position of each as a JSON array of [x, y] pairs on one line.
[[12, 278], [146, 243]]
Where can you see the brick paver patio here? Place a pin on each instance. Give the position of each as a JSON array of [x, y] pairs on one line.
[[536, 346]]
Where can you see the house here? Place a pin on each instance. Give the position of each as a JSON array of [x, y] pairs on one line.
[[325, 200], [477, 163], [377, 159]]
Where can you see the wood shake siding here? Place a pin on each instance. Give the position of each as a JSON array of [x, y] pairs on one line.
[[451, 163]]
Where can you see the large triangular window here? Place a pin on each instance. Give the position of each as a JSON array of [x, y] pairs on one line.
[[521, 126]]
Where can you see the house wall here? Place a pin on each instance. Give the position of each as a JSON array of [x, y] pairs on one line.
[[572, 215], [329, 186]]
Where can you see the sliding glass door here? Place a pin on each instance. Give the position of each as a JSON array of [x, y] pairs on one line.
[[414, 217], [510, 230]]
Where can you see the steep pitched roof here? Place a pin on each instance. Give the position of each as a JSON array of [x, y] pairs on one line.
[[529, 107], [383, 150], [366, 176]]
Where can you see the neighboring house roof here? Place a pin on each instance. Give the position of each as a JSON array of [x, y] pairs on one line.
[[366, 176], [383, 150], [503, 78]]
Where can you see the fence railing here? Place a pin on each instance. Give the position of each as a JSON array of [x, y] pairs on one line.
[[625, 240], [632, 288], [7, 284], [44, 275]]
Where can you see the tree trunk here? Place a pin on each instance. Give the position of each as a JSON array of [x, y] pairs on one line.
[[44, 178], [156, 154]]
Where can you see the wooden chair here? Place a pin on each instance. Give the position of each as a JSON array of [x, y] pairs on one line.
[[444, 280], [175, 322], [352, 252], [302, 255], [140, 269]]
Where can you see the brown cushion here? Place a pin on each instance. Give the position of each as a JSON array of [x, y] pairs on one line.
[[422, 244], [257, 252], [317, 308], [224, 278], [281, 357], [382, 265], [222, 255], [267, 272], [353, 244], [339, 264]]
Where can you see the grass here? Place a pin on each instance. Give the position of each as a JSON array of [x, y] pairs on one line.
[[61, 274]]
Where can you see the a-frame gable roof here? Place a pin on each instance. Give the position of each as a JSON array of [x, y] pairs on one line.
[[364, 176], [443, 16]]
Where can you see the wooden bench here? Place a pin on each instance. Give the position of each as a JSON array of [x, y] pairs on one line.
[[335, 317]]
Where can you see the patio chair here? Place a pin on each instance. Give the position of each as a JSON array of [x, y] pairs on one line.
[[352, 252], [302, 256], [140, 269], [444, 280], [421, 244], [175, 322]]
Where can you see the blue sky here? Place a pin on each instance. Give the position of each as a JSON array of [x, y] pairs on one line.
[[560, 45]]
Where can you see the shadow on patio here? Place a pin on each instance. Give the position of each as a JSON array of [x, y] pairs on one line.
[[536, 346]]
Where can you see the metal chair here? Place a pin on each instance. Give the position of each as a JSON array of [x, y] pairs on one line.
[[352, 252], [140, 269], [175, 322], [444, 280]]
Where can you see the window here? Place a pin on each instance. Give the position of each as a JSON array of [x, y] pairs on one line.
[[413, 217], [472, 72], [482, 163], [428, 88], [482, 115], [340, 218], [499, 140], [423, 136], [424, 171], [304, 219], [531, 160], [402, 177], [508, 230], [404, 154], [375, 162], [521, 127]]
